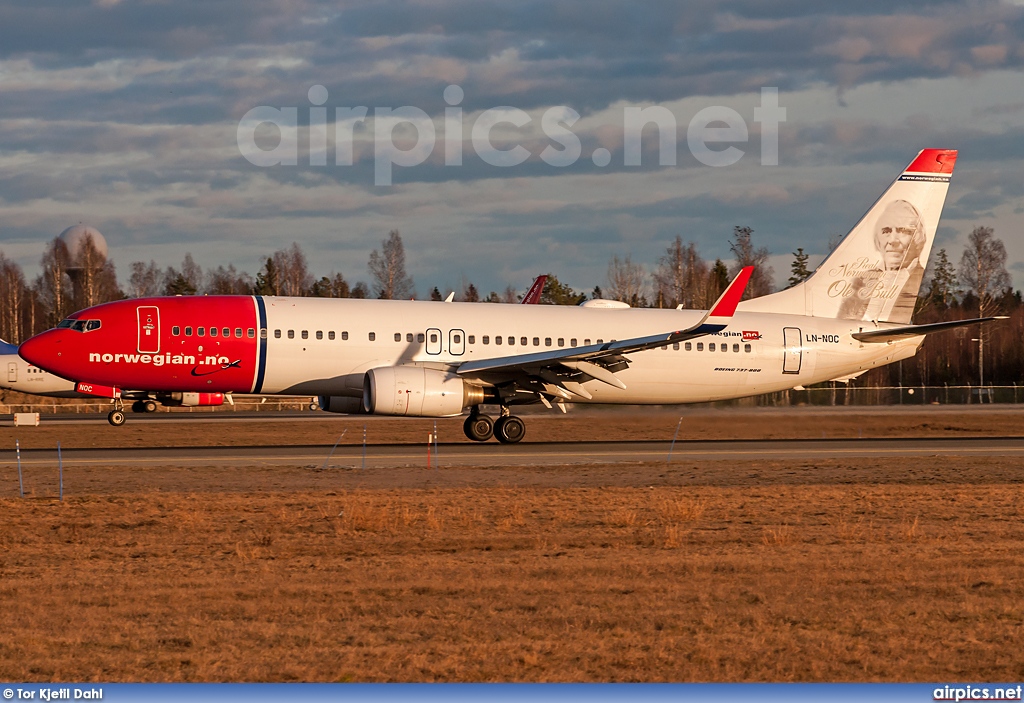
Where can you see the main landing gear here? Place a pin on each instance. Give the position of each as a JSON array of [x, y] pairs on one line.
[[507, 429], [144, 406]]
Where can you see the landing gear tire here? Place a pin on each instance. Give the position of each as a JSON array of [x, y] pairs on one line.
[[478, 428], [149, 406], [138, 407], [116, 418], [509, 429]]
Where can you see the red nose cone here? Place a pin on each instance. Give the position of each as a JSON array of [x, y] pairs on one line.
[[42, 350]]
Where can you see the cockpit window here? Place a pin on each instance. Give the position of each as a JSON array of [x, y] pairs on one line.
[[79, 325]]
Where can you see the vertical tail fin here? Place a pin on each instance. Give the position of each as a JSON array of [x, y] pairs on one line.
[[875, 273]]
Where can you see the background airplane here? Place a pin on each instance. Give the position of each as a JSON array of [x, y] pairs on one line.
[[436, 359]]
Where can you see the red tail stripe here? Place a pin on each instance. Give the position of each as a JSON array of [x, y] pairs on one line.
[[934, 161]]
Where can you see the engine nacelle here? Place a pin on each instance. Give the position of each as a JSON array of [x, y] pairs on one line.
[[341, 404], [190, 400], [417, 391]]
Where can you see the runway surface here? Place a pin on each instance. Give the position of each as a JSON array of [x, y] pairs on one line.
[[526, 454]]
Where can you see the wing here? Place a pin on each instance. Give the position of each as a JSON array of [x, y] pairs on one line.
[[891, 334], [560, 372]]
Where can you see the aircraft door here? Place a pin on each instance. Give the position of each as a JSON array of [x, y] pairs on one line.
[[792, 353], [149, 329], [457, 342], [433, 341], [12, 372]]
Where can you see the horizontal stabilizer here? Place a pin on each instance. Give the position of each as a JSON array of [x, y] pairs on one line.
[[892, 334]]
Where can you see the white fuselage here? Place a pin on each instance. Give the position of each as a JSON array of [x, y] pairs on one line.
[[753, 355]]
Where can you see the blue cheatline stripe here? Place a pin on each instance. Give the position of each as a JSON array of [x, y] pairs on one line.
[[262, 370]]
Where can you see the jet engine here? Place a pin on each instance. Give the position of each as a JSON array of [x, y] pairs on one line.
[[341, 404], [190, 400], [417, 391]]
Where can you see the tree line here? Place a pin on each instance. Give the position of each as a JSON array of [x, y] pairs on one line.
[[978, 286]]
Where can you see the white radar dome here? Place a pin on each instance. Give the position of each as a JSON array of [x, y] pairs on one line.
[[74, 238]]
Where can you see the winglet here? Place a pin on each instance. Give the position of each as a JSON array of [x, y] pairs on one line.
[[726, 304], [532, 296]]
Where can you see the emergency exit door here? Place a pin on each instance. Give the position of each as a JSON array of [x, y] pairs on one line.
[[792, 354], [149, 329]]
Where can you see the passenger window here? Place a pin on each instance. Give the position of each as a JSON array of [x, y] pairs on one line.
[[497, 340], [735, 347], [700, 346], [398, 336], [486, 339], [512, 341], [725, 347], [675, 346], [408, 336], [92, 325], [688, 346], [175, 330], [471, 339], [561, 342], [344, 336], [746, 348], [572, 342], [200, 331], [305, 334], [600, 341], [238, 332], [586, 342], [523, 341], [225, 332], [420, 337], [373, 336], [277, 334], [263, 332], [291, 334], [664, 347], [213, 331], [433, 338], [711, 346], [188, 331], [250, 332], [319, 334], [457, 339], [547, 341], [330, 335], [536, 341]]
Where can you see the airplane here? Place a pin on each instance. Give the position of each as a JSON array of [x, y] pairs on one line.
[[24, 377], [440, 359]]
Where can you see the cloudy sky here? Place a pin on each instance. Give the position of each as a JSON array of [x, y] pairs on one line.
[[125, 115]]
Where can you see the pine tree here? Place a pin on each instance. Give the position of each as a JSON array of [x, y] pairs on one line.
[[798, 268], [944, 288]]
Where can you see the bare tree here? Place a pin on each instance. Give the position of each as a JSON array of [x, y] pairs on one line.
[[145, 280], [983, 272], [228, 281], [682, 277], [627, 282], [12, 300], [746, 255], [54, 285], [388, 269], [293, 271], [983, 269]]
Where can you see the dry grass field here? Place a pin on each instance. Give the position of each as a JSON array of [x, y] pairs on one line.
[[839, 570]]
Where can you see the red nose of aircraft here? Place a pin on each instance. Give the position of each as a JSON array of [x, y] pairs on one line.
[[44, 350]]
